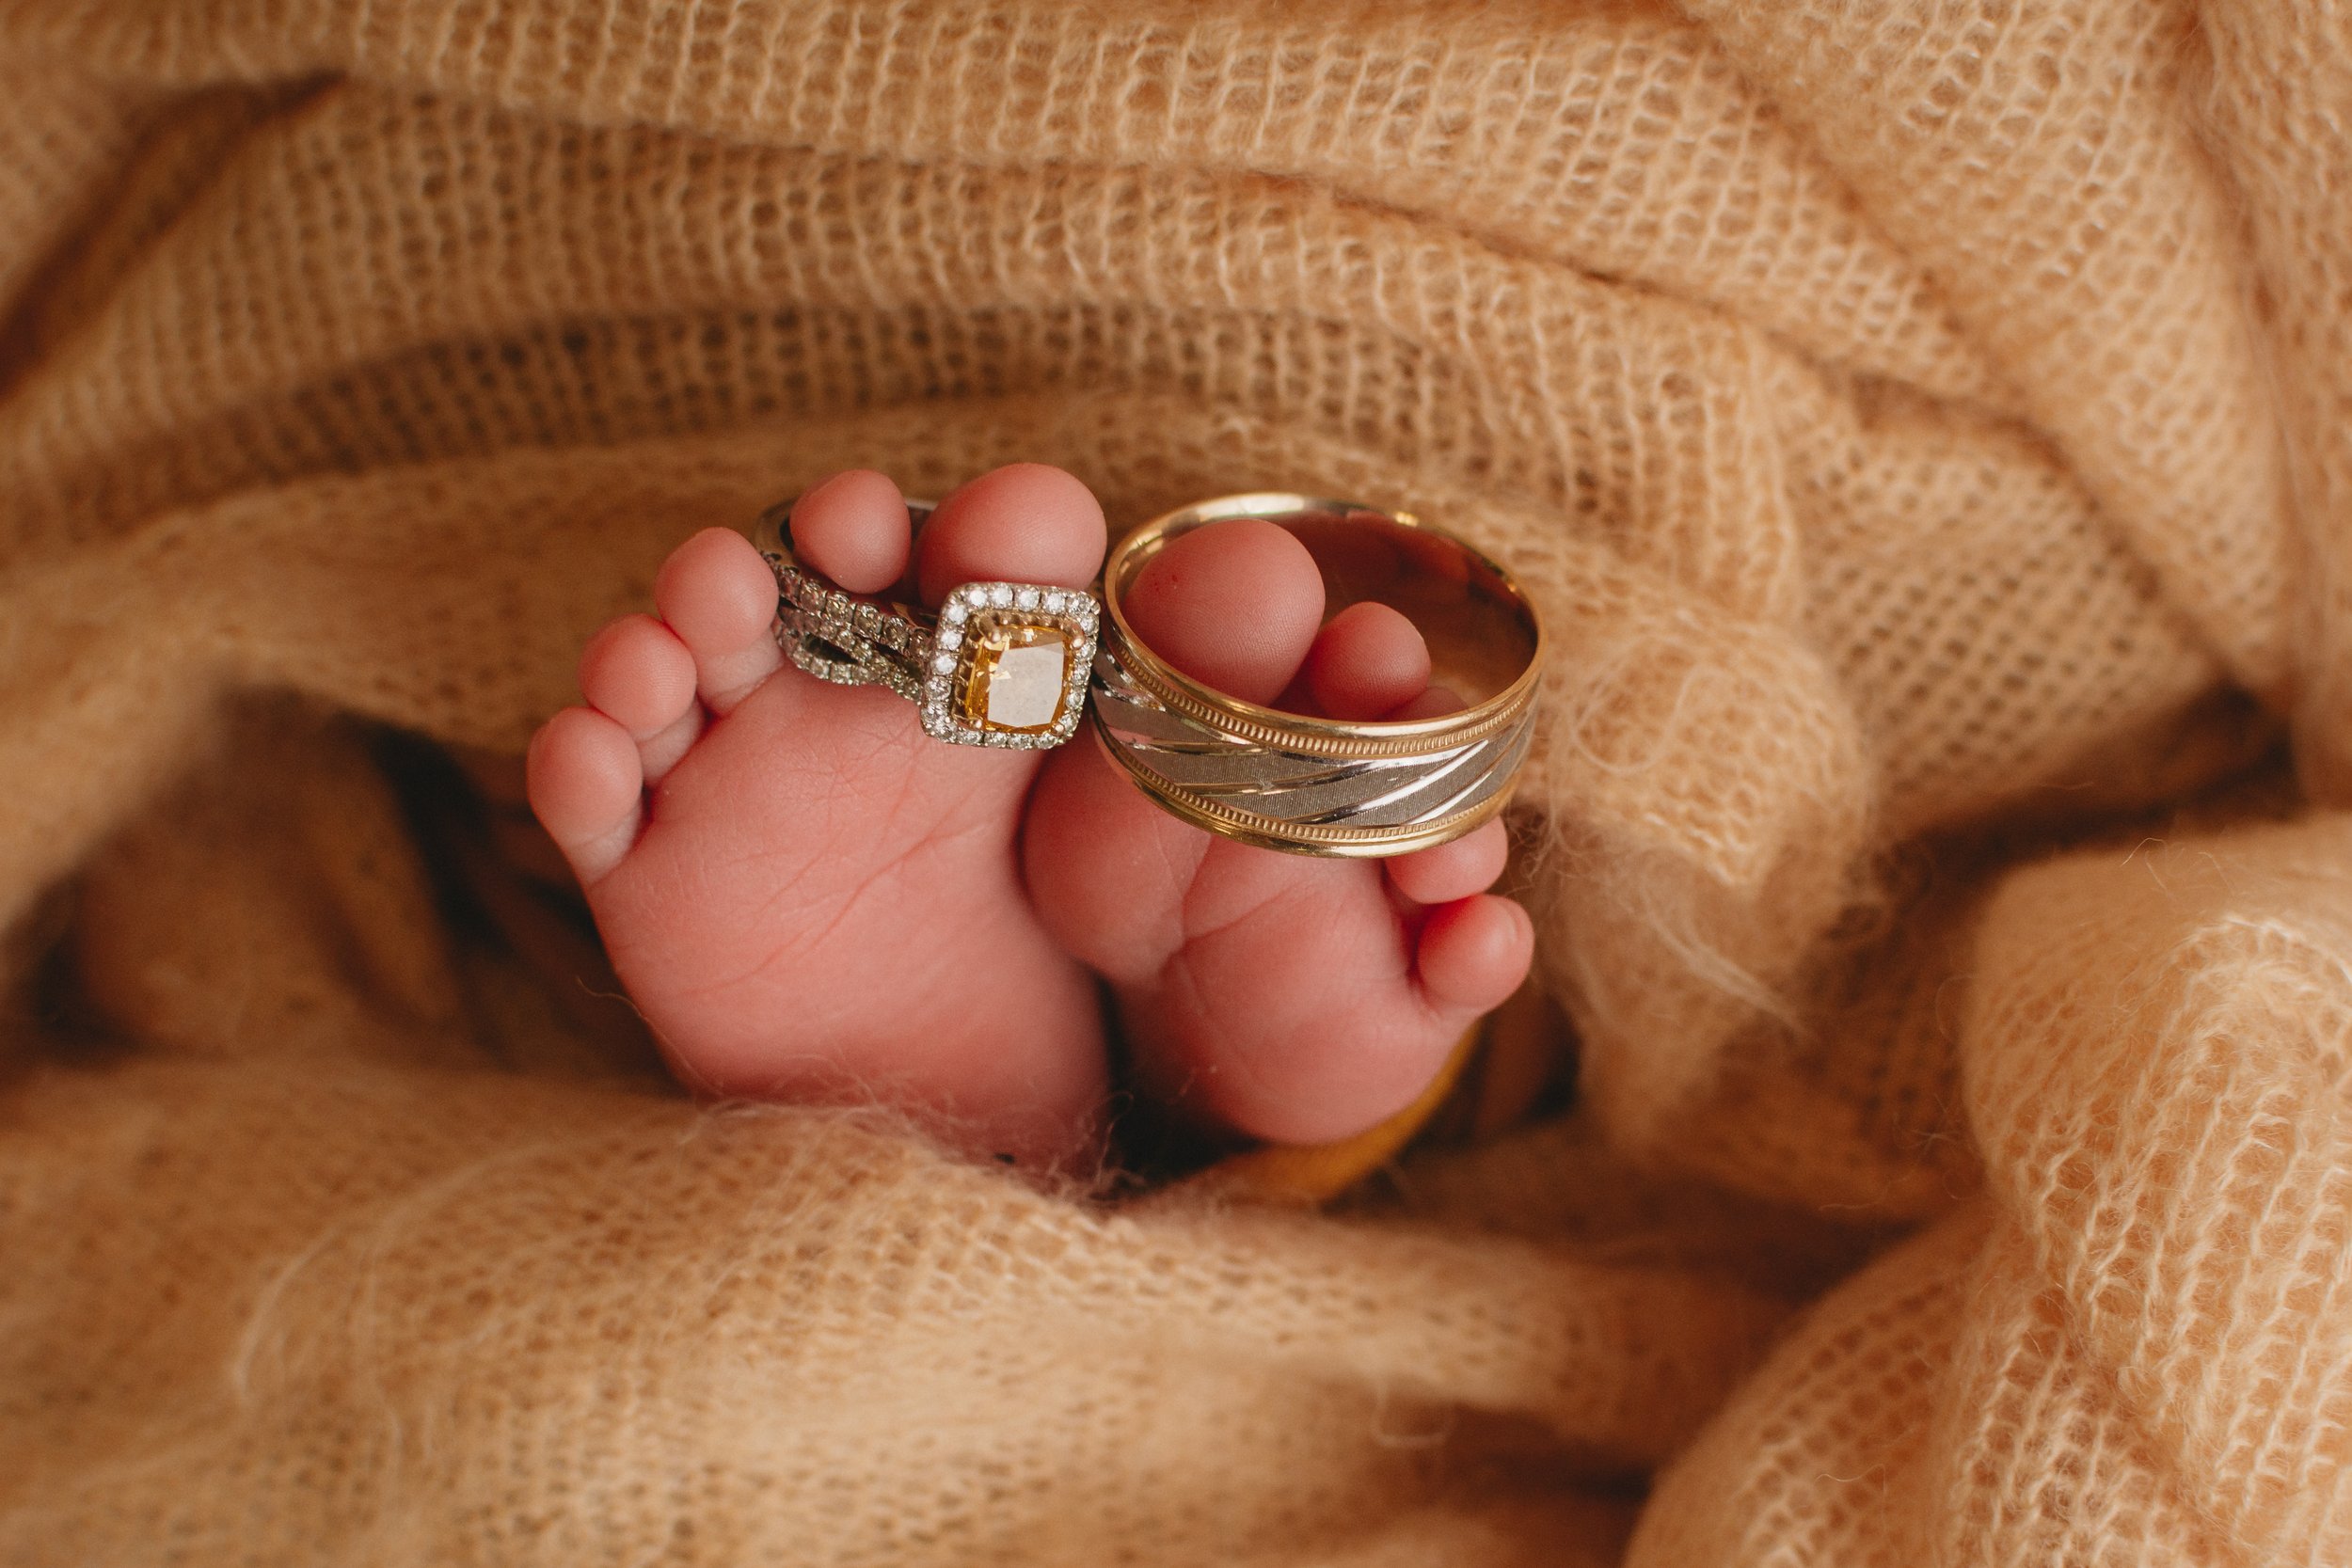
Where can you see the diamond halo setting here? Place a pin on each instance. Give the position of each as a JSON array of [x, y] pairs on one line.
[[1007, 664], [1011, 665], [1003, 664]]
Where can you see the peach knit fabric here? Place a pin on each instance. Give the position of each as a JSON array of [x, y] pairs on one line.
[[1926, 426]]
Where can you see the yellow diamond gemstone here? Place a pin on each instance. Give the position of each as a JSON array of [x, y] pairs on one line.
[[1019, 678]]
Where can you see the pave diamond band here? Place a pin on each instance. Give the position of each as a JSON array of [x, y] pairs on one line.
[[1320, 787], [1002, 663]]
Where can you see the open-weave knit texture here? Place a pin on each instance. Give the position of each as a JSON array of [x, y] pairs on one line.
[[1926, 426]]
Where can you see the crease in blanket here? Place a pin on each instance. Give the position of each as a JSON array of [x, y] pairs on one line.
[[1927, 430]]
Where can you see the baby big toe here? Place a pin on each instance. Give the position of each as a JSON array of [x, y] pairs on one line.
[[1022, 523], [1235, 606]]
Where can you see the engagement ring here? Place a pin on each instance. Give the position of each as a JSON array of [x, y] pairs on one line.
[[1001, 664]]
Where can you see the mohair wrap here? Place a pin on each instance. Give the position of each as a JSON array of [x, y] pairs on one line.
[[1926, 425]]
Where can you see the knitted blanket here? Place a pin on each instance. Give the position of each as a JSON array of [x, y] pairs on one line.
[[1926, 426]]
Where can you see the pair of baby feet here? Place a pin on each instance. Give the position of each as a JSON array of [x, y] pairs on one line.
[[809, 899]]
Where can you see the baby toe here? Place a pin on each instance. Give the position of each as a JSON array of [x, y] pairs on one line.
[[852, 527], [719, 597], [638, 673], [1472, 953], [1430, 704], [1468, 865], [1235, 604], [585, 783], [1022, 523], [1368, 662]]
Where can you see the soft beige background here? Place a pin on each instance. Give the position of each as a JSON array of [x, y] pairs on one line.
[[1926, 427]]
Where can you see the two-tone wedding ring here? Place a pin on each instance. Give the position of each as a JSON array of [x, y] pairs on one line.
[[998, 664], [1325, 786]]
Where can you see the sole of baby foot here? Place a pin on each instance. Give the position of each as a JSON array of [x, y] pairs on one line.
[[807, 897], [1294, 998]]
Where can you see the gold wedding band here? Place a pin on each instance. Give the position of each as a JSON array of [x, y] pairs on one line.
[[1329, 786]]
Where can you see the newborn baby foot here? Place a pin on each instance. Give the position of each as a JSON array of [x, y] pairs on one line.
[[806, 896], [1297, 999]]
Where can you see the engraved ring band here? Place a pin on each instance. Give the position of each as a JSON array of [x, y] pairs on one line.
[[1325, 786]]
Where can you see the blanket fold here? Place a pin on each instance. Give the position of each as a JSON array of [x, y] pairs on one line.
[[1927, 431]]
